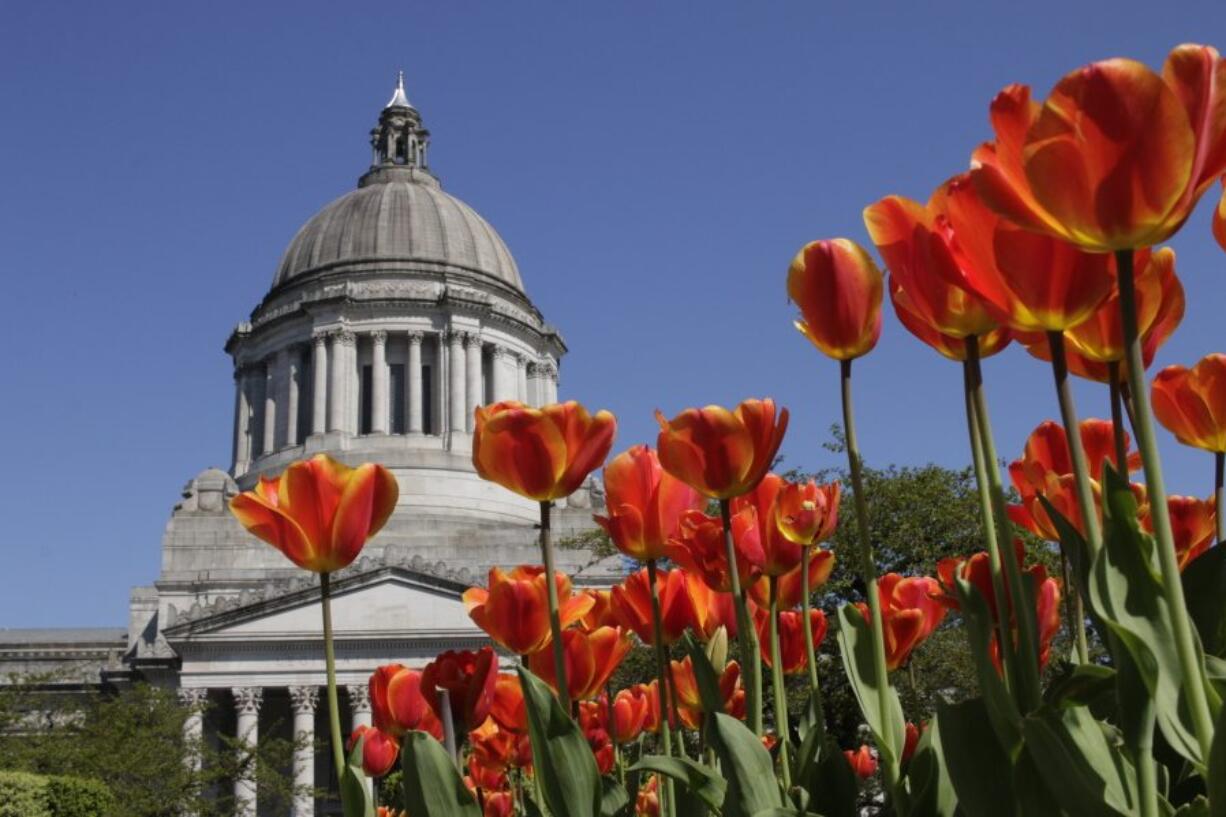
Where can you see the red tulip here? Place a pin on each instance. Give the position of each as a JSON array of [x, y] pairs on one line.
[[647, 801], [631, 708], [318, 512], [1219, 219], [1194, 523], [947, 345], [688, 699], [540, 453], [722, 453], [499, 804], [782, 555], [379, 750], [507, 707], [1116, 157], [397, 703], [469, 678], [911, 739], [699, 548], [863, 761], [1191, 403], [791, 591], [514, 611], [792, 649], [645, 503], [590, 659], [910, 610], [838, 289]]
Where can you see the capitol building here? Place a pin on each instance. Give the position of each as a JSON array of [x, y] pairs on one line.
[[394, 312]]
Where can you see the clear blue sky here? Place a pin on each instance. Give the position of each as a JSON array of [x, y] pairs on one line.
[[653, 167]]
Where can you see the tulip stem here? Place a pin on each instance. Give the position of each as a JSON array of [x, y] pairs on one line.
[[1191, 663], [666, 737], [1117, 416], [1219, 494], [1029, 688], [555, 620], [1073, 610], [448, 718], [334, 711], [746, 636], [996, 556], [868, 570], [806, 604], [777, 683]]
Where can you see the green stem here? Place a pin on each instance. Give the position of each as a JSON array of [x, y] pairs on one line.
[[777, 682], [868, 570], [746, 636], [1219, 494], [555, 620], [657, 624], [1190, 663], [1073, 611], [1117, 417], [1147, 775], [1029, 689], [806, 604], [334, 711], [996, 556]]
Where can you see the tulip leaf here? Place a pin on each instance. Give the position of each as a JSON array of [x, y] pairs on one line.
[[1085, 773], [432, 784], [827, 777], [613, 798], [746, 765], [706, 676], [1089, 685], [979, 770], [1215, 777], [856, 646], [929, 791], [1002, 711], [570, 781], [1203, 581], [701, 780], [356, 800]]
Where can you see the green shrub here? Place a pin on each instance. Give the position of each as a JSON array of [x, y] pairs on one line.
[[23, 795], [78, 797]]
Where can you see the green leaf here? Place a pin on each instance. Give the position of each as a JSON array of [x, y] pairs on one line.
[[703, 781], [979, 769], [1083, 685], [1203, 581], [561, 756], [355, 796], [1085, 773], [1006, 720], [856, 645], [930, 793], [432, 784], [614, 798], [747, 766], [705, 674], [1215, 777]]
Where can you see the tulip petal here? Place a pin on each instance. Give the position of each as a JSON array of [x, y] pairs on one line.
[[274, 526], [367, 501]]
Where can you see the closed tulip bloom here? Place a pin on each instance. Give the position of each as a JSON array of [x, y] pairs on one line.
[[380, 706], [600, 614], [948, 346], [863, 761], [1191, 403], [1116, 157], [469, 678], [911, 739], [631, 708], [647, 801], [1194, 523], [645, 503], [514, 611], [807, 513], [911, 609], [791, 590], [838, 289], [685, 603], [791, 637], [379, 750], [782, 555], [699, 548], [721, 453], [540, 453], [498, 804], [1047, 452], [508, 708], [318, 512], [590, 659]]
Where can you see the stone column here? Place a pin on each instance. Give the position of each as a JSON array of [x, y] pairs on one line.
[[380, 404], [521, 378], [349, 345], [242, 420], [456, 398], [498, 373], [337, 395], [281, 436], [359, 708], [303, 700], [293, 383], [414, 398], [473, 367], [270, 406], [551, 383], [536, 389], [247, 702], [193, 729], [319, 383]]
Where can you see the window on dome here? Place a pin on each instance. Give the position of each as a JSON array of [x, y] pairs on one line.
[[366, 408], [427, 399], [397, 385]]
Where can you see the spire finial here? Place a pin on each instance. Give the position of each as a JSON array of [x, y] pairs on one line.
[[399, 99]]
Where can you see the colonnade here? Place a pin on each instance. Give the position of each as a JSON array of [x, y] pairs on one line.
[[322, 387], [247, 703]]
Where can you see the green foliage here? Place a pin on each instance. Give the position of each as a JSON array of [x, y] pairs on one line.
[[23, 795], [432, 784], [570, 781], [78, 797]]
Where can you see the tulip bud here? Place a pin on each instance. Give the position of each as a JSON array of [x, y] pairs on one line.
[[717, 647]]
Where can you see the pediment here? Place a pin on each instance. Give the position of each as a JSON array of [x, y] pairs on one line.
[[390, 602]]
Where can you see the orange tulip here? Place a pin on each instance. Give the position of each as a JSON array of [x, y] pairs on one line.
[[911, 610], [1219, 219], [469, 678], [807, 513], [387, 811], [647, 801], [1191, 403], [1047, 452], [781, 554], [379, 750], [688, 699], [1194, 522], [791, 590], [699, 548], [791, 637], [685, 603], [1031, 282], [540, 453], [948, 346], [1117, 156], [838, 289], [499, 804], [645, 503], [631, 708], [721, 453], [863, 761], [590, 659], [507, 707], [318, 512], [514, 611], [397, 703], [601, 612], [494, 749]]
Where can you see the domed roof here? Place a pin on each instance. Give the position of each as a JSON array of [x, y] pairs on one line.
[[402, 219]]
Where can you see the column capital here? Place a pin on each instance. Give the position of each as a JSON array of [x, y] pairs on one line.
[[343, 336], [379, 336], [319, 338], [454, 336], [193, 697], [500, 352], [534, 369], [304, 699], [471, 339], [247, 700], [359, 697], [415, 338]]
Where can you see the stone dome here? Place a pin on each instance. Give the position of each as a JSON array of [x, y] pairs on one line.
[[398, 215]]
